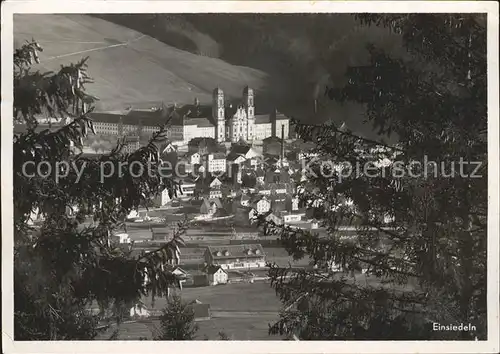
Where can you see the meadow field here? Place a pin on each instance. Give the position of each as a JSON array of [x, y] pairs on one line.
[[243, 311]]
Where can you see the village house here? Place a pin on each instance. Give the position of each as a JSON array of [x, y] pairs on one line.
[[306, 154], [161, 199], [204, 145], [290, 217], [215, 190], [234, 174], [210, 206], [260, 175], [241, 214], [274, 217], [236, 256], [229, 190], [133, 214], [264, 191], [270, 161], [194, 158], [261, 203], [220, 121], [187, 187], [215, 162], [168, 148], [133, 122], [252, 215], [138, 312], [216, 275], [196, 277], [131, 144], [210, 186], [181, 275], [292, 203], [314, 224], [215, 193]]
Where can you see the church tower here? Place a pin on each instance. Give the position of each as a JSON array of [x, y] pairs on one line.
[[218, 114], [248, 102]]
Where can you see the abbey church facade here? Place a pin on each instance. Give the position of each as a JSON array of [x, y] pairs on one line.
[[229, 123], [222, 121]]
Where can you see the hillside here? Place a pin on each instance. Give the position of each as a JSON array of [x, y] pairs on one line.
[[140, 60], [130, 68], [301, 53]]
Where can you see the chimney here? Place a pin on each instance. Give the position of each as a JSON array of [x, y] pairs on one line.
[[282, 144]]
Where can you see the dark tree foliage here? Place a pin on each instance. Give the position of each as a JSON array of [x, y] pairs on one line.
[[177, 321], [420, 237], [248, 180], [65, 264]]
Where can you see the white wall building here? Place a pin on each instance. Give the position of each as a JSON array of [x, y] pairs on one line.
[[216, 275], [194, 158], [262, 205], [236, 256]]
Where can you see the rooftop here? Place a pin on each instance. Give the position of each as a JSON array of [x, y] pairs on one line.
[[200, 122], [272, 139], [240, 149], [145, 118], [233, 156], [212, 269], [219, 156], [236, 251], [280, 116], [262, 119], [209, 202]]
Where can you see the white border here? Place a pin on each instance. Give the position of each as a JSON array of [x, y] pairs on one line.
[[42, 6]]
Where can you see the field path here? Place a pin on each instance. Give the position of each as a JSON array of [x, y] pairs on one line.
[[95, 49]]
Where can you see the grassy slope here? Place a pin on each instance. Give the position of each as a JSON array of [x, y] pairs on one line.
[[142, 72], [287, 59]]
